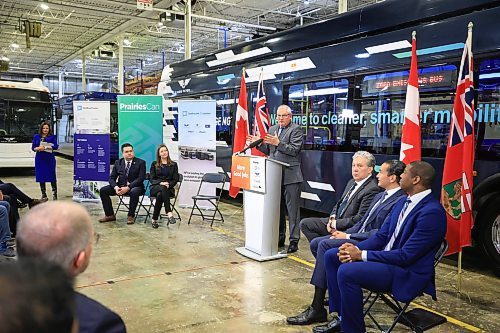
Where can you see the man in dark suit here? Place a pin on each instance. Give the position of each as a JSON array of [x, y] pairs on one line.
[[399, 258], [127, 178], [388, 178], [283, 143], [349, 210], [61, 233]]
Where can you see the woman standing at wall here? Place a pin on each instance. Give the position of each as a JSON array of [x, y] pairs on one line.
[[164, 174], [44, 144]]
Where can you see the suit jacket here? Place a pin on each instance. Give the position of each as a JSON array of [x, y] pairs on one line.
[[166, 173], [288, 151], [136, 174], [358, 203], [377, 218], [412, 254], [93, 317]]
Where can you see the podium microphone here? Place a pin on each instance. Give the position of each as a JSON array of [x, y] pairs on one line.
[[252, 145]]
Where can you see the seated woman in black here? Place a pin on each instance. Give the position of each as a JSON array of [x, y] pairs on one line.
[[164, 175]]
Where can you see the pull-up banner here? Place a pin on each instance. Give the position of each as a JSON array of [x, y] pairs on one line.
[[91, 148]]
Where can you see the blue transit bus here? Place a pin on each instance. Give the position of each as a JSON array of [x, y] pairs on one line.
[[345, 79], [65, 124]]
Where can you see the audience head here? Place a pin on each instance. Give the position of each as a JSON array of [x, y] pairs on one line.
[[390, 173], [417, 177], [59, 232], [36, 297], [284, 115], [45, 129], [127, 151], [162, 152], [362, 165]]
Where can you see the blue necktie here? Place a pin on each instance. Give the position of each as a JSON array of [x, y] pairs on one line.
[[343, 203], [280, 130], [127, 169], [395, 234], [378, 203]]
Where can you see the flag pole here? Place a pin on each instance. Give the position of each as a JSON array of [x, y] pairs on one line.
[[459, 273]]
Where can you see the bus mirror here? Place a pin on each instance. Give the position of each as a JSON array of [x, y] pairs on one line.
[[58, 113]]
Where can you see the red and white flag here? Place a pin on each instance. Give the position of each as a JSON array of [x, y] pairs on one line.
[[261, 120], [240, 128], [456, 192], [410, 137]]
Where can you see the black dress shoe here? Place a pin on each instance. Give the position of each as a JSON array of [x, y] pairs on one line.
[[293, 247], [308, 316], [332, 327]]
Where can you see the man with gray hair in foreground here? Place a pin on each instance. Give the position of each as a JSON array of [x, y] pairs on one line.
[[61, 232]]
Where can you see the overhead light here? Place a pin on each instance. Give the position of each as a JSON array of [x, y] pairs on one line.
[[362, 55], [14, 45], [5, 58], [126, 42], [402, 44], [44, 6], [306, 2]]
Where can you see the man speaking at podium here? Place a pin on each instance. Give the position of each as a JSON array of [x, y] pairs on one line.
[[283, 143]]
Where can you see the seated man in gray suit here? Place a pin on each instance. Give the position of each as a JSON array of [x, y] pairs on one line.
[[349, 210], [283, 143], [380, 207]]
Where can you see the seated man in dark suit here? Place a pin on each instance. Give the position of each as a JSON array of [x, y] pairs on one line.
[[61, 232], [127, 178], [380, 207], [399, 258], [349, 210]]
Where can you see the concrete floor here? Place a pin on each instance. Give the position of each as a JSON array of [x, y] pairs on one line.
[[188, 278]]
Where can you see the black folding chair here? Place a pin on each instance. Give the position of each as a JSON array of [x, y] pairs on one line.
[[152, 200], [140, 205], [408, 318], [209, 178]]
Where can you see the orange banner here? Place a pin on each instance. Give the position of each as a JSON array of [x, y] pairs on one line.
[[240, 172]]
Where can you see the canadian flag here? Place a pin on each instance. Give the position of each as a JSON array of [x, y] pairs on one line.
[[410, 138], [240, 128]]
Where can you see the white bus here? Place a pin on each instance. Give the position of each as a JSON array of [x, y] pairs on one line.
[[23, 106]]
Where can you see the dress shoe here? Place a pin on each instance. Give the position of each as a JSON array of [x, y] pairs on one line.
[[35, 202], [107, 219], [332, 327], [308, 316], [130, 220], [292, 248]]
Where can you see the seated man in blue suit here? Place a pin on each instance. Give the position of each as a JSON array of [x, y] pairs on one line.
[[399, 258], [127, 178], [380, 207], [61, 233]]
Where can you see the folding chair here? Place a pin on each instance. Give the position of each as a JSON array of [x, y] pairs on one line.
[[140, 205], [152, 200], [407, 318], [210, 178]]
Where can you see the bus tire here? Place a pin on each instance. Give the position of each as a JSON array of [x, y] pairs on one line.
[[489, 234]]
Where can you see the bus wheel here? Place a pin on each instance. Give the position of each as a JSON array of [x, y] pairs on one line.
[[490, 234]]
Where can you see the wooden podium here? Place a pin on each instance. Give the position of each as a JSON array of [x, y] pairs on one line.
[[260, 179]]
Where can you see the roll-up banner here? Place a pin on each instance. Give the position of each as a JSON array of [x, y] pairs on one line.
[[91, 148], [197, 144], [140, 123]]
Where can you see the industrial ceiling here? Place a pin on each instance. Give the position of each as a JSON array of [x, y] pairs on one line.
[[71, 30]]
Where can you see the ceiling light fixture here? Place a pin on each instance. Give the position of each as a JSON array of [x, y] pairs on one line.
[[14, 45], [44, 6]]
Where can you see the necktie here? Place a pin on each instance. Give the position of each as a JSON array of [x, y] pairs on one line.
[[398, 226], [280, 130], [344, 201], [378, 203], [127, 169]]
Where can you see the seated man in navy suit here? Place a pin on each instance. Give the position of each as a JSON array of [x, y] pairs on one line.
[[380, 207], [399, 258], [127, 178], [61, 233]]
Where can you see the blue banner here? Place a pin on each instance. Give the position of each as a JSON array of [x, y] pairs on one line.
[[91, 161]]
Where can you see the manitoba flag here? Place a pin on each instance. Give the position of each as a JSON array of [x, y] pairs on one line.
[[410, 137], [261, 121], [456, 193], [240, 128]]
